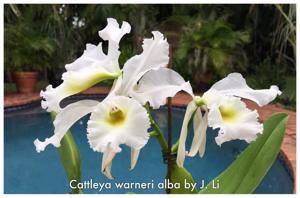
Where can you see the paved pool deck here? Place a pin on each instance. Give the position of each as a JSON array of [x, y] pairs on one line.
[[288, 147]]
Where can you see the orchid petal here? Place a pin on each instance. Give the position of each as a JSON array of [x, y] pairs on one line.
[[89, 69], [155, 55], [113, 34], [156, 85], [235, 85], [201, 150], [115, 87], [191, 108], [107, 171], [134, 157], [64, 120], [197, 122], [199, 140], [91, 55], [107, 158]]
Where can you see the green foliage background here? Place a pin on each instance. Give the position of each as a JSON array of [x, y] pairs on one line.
[[208, 41]]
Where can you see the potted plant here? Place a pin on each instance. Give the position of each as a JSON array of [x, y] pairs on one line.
[[27, 48]]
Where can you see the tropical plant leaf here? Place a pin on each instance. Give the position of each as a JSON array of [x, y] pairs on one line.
[[219, 58], [248, 170], [70, 158]]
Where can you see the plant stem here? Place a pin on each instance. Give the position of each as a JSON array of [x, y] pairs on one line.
[[157, 133], [160, 137]]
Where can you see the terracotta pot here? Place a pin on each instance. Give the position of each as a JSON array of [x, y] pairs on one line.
[[26, 81]]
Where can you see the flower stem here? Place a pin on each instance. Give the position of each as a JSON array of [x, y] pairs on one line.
[[160, 137], [157, 133]]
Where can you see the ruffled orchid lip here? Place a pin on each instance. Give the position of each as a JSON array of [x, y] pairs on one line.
[[119, 120]]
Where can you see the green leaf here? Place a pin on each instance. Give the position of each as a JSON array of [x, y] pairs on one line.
[[247, 171], [219, 58], [181, 175], [70, 158]]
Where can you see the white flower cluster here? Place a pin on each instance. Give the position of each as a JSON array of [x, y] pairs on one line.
[[121, 118]]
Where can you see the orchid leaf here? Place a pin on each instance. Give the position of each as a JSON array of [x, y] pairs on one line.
[[182, 176], [247, 171], [70, 158]]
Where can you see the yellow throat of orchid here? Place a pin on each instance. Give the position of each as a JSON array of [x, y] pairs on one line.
[[228, 113], [116, 116]]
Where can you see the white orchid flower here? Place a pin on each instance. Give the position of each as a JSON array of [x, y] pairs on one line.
[[118, 119], [223, 109], [91, 68], [134, 133]]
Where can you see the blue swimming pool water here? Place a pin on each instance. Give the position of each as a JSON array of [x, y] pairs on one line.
[[26, 171]]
